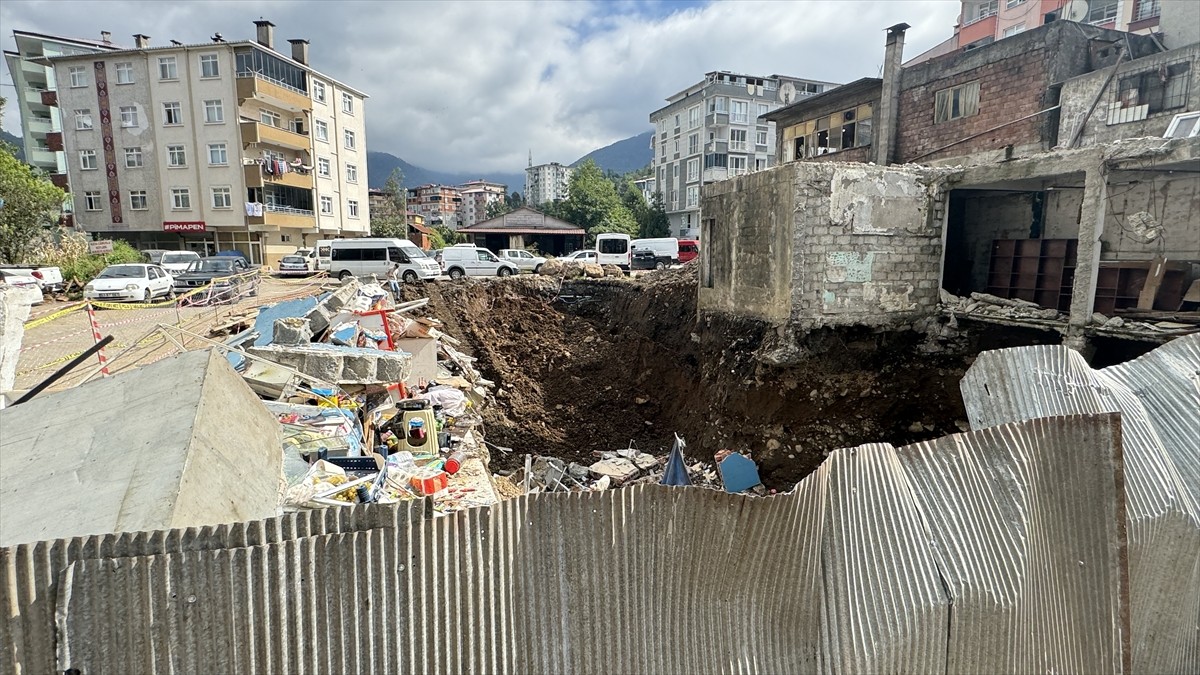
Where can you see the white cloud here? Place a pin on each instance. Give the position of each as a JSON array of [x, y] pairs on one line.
[[475, 85]]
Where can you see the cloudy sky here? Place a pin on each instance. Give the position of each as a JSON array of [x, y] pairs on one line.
[[460, 86]]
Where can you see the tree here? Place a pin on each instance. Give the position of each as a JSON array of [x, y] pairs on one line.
[[390, 217], [498, 208], [447, 236], [30, 204], [655, 222], [515, 201], [594, 205]]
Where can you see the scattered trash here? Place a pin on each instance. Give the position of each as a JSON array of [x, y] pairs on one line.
[[739, 473], [676, 471]]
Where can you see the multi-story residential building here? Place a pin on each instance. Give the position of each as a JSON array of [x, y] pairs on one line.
[[33, 78], [439, 204], [546, 182], [982, 22], [477, 195], [222, 145], [711, 131], [647, 188]]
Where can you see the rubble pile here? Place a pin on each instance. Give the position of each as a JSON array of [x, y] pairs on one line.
[[987, 305]]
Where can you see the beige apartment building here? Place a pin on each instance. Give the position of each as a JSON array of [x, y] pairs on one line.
[[210, 147]]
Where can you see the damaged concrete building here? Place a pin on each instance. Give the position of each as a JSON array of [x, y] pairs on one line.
[[1056, 171]]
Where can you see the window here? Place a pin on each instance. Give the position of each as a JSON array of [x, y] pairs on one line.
[[983, 10], [269, 117], [1164, 88], [1102, 12], [181, 199], [955, 102], [1013, 30], [217, 153], [693, 196], [352, 208], [133, 158], [87, 160], [321, 130], [694, 117], [348, 139], [718, 104], [737, 139], [319, 91], [214, 112], [737, 165], [176, 156], [740, 112], [674, 171], [137, 200], [760, 138], [347, 103], [83, 119], [760, 164], [91, 200], [124, 72], [763, 109], [78, 76], [674, 199], [694, 144], [222, 198], [1013, 3], [323, 167], [351, 173], [129, 116], [172, 114], [676, 149], [209, 66], [693, 169], [167, 69], [326, 204], [1145, 9]]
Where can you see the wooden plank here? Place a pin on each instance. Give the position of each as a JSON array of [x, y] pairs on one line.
[[1158, 269]]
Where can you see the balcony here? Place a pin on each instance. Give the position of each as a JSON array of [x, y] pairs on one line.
[[277, 216], [719, 147], [257, 132], [714, 173], [977, 30], [277, 94], [255, 177], [716, 119]]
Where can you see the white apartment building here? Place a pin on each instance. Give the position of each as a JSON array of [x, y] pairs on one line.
[[477, 196], [216, 146], [711, 131], [546, 182]]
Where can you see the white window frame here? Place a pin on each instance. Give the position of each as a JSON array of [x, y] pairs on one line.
[[739, 145], [270, 118], [352, 208], [351, 173], [134, 153], [78, 76], [129, 116], [1107, 13], [347, 103], [1013, 30], [215, 61], [221, 196], [324, 169], [222, 149], [92, 201], [763, 109], [87, 160], [1146, 9], [321, 130], [692, 196], [349, 140], [693, 169], [214, 104], [181, 199], [1178, 120], [739, 118], [762, 137], [168, 107], [83, 119], [174, 149], [326, 204], [738, 171], [695, 117], [134, 194], [694, 144], [168, 68], [318, 91], [1013, 3], [124, 71]]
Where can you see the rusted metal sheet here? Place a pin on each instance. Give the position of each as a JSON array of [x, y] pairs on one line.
[[1159, 401]]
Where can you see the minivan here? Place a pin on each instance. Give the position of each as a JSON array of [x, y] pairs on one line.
[[467, 260], [613, 249], [320, 255], [364, 257], [666, 250], [689, 250]]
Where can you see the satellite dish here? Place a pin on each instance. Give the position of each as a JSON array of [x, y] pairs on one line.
[[1076, 10], [787, 93]]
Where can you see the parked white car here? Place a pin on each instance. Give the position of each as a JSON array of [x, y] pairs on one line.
[[20, 279], [175, 262], [48, 277], [294, 265], [524, 260], [468, 260], [581, 256], [133, 281]]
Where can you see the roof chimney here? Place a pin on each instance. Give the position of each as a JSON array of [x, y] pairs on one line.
[[889, 100], [141, 41], [106, 37], [266, 33], [299, 50]]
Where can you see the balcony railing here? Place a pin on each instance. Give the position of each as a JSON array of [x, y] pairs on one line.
[[290, 210]]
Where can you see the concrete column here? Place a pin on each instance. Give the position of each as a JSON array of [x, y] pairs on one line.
[[889, 101], [1087, 265]]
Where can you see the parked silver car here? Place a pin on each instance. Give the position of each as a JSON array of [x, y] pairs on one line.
[[524, 260]]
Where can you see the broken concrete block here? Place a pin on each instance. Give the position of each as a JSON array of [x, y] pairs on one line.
[[178, 443], [1115, 322], [292, 330], [319, 317], [644, 461], [339, 365], [1099, 318], [618, 470], [593, 271], [14, 310], [613, 271], [551, 268], [577, 471]]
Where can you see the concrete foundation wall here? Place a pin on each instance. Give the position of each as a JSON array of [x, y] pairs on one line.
[[15, 304]]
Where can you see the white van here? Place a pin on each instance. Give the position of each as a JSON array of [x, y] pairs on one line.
[[319, 256], [467, 260], [613, 249], [666, 250], [364, 257]]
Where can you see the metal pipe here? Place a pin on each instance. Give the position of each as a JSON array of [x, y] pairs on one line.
[[87, 354]]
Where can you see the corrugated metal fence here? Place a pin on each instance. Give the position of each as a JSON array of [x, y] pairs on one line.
[[964, 554]]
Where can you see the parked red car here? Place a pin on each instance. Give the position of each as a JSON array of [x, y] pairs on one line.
[[689, 250]]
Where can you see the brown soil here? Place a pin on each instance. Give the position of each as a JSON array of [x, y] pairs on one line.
[[596, 364]]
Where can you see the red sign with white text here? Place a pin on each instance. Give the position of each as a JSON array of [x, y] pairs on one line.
[[184, 227]]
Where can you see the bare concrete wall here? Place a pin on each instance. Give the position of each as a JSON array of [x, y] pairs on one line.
[[988, 216], [15, 304]]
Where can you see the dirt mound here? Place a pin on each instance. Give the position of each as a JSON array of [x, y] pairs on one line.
[[593, 364]]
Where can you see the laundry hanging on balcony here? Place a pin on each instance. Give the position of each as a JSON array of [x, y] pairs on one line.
[[254, 209]]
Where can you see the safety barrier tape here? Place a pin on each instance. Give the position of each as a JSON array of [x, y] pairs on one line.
[[60, 338], [30, 325]]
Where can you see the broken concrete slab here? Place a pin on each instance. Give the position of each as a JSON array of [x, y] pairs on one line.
[[15, 303], [178, 443], [292, 330], [338, 364], [618, 469], [319, 317]]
